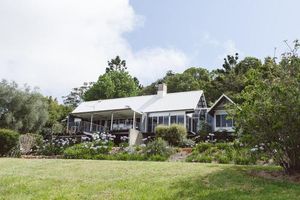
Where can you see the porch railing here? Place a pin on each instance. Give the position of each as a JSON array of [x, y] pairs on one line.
[[84, 126]]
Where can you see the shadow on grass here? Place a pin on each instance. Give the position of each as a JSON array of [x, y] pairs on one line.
[[234, 183]]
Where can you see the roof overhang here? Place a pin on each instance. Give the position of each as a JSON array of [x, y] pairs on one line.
[[222, 97], [106, 114]]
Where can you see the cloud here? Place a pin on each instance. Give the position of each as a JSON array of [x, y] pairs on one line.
[[57, 45]]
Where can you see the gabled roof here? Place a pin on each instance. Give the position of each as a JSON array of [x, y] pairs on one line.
[[150, 103], [222, 98]]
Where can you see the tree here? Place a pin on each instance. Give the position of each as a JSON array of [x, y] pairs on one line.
[[116, 64], [23, 110], [113, 84], [57, 112], [229, 63], [75, 97], [232, 79], [269, 114]]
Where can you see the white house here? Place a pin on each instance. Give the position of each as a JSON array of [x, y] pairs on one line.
[[217, 115], [134, 116]]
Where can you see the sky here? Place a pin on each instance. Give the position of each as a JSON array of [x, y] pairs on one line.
[[57, 45]]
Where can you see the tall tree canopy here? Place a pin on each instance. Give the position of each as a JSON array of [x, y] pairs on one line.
[[116, 82], [24, 110], [270, 110], [75, 97]]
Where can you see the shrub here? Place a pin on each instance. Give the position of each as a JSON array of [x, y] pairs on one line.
[[8, 140], [158, 147], [224, 146], [78, 151], [223, 159], [187, 143], [201, 147], [161, 131], [226, 153], [173, 134], [55, 146], [88, 150]]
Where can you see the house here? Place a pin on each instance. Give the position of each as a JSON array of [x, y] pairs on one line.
[[217, 115], [137, 116]]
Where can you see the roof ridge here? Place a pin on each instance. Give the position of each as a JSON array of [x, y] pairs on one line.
[[141, 96]]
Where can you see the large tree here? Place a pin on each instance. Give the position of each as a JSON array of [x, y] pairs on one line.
[[270, 110], [57, 112], [116, 82], [232, 79], [24, 110], [75, 97]]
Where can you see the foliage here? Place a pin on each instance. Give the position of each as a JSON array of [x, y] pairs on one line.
[[57, 113], [102, 144], [55, 146], [102, 149], [187, 143], [29, 142], [225, 153], [75, 97], [270, 109], [158, 147], [116, 64], [23, 110], [173, 134], [231, 79], [8, 140], [113, 84]]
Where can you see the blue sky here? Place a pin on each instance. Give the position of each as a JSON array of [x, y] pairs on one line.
[[57, 45], [199, 28]]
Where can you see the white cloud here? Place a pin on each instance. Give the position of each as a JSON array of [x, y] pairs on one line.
[[58, 44]]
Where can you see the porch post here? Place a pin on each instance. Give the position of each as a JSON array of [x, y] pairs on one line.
[[192, 127], [169, 123], [146, 122], [68, 121], [91, 124], [133, 121], [184, 120], [111, 121]]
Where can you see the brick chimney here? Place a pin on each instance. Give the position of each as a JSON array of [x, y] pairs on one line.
[[162, 90]]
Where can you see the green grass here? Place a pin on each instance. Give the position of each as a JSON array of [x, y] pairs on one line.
[[22, 179]]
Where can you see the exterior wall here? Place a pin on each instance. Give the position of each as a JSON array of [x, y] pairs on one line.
[[164, 115]]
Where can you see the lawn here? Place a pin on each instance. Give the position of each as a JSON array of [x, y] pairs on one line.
[[89, 179]]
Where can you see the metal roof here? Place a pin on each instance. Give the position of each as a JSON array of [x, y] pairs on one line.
[[145, 104]]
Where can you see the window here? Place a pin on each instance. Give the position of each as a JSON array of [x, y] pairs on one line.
[[160, 120], [173, 119], [180, 119], [150, 124], [218, 120], [222, 121], [154, 123], [166, 120]]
